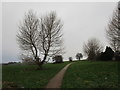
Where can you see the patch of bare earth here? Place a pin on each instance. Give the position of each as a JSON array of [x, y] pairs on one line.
[[56, 81]]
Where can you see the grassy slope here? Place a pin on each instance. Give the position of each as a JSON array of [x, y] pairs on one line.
[[26, 75], [86, 74]]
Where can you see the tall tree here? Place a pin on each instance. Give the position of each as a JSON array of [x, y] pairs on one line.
[[113, 31], [39, 38], [92, 48]]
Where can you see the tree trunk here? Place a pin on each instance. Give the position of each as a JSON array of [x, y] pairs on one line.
[[39, 63], [40, 66], [44, 58]]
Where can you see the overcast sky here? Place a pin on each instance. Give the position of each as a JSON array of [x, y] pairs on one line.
[[82, 21]]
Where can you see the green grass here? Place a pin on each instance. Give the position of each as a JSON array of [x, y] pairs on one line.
[[87, 74], [27, 76]]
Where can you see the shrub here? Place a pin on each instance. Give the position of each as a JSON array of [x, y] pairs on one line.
[[107, 55]]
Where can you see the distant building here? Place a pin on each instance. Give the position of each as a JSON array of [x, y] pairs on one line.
[[58, 59]]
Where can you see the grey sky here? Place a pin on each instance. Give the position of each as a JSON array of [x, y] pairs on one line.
[[82, 21]]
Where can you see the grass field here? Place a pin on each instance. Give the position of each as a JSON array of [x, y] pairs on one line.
[[86, 74], [81, 74], [20, 75]]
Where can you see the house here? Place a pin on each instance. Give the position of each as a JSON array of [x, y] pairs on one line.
[[58, 59]]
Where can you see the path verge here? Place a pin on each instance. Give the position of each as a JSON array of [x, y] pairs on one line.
[[56, 81]]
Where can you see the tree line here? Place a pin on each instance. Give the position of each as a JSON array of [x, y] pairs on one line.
[[94, 50], [42, 37]]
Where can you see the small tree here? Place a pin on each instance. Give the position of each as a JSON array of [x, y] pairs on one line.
[[79, 56], [117, 55], [92, 48], [70, 59]]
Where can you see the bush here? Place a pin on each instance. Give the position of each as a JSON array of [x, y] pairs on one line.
[[28, 60]]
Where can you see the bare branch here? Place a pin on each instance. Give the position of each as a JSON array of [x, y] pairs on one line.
[[113, 31], [92, 48], [41, 36]]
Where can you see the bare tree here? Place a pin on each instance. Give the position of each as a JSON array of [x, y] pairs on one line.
[[27, 37], [92, 48], [40, 38], [79, 56], [50, 36], [113, 31]]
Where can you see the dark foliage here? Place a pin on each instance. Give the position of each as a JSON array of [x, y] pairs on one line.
[[79, 56], [107, 55], [117, 55]]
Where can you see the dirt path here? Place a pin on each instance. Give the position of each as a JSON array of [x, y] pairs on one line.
[[56, 81]]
